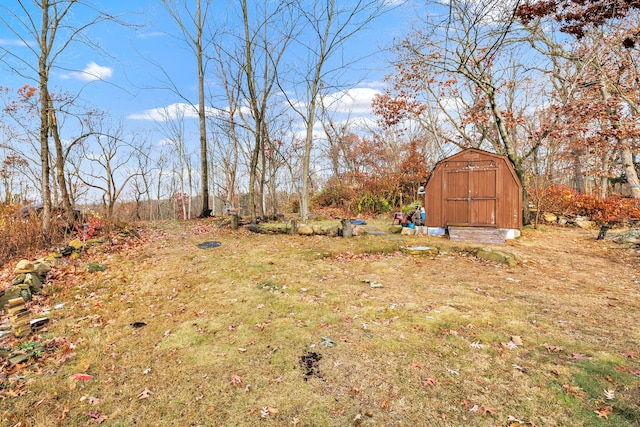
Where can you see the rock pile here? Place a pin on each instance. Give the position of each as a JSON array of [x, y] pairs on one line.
[[30, 275]]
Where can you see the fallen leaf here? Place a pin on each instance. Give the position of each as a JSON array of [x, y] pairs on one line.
[[82, 377], [553, 348], [573, 391], [579, 356], [146, 393], [519, 368], [96, 416], [508, 345], [428, 382], [513, 421], [630, 354], [267, 410], [609, 394], [488, 410], [476, 345], [63, 414], [516, 339], [236, 380], [604, 412]]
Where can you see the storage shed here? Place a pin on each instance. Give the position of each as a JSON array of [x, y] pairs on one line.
[[474, 188]]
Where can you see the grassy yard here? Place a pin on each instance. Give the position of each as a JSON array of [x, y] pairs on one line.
[[284, 330]]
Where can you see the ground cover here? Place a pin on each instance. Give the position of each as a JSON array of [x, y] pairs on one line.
[[279, 330]]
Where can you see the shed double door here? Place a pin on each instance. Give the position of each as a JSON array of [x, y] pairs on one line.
[[470, 196]]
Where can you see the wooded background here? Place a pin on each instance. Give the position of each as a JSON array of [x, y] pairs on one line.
[[553, 85]]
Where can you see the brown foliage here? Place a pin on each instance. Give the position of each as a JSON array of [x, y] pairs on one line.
[[576, 15], [563, 200], [21, 237]]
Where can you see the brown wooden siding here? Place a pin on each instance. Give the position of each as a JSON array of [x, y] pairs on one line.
[[474, 188]]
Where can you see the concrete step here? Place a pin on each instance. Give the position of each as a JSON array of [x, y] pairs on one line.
[[477, 234]]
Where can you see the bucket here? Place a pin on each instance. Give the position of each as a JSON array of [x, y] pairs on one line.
[[411, 225]]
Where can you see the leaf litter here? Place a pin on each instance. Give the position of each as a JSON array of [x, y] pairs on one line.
[[309, 362]]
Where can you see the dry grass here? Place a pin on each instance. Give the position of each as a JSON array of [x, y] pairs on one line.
[[283, 330]]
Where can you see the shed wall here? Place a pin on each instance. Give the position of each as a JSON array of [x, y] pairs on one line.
[[474, 188]]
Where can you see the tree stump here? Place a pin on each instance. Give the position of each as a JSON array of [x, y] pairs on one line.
[[234, 221], [294, 227], [603, 232], [347, 231]]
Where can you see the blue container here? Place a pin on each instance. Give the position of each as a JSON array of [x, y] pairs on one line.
[[411, 225]]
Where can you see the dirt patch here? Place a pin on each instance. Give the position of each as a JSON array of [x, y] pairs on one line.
[[310, 364]]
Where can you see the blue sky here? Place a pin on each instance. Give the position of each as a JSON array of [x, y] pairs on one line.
[[123, 81], [124, 70]]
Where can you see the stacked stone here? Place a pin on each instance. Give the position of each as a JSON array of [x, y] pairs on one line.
[[28, 281], [19, 316]]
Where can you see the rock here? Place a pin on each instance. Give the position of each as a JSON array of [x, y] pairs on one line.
[[562, 221], [406, 231], [332, 231], [65, 250], [25, 291], [630, 236], [41, 267], [395, 229], [549, 217], [19, 279], [76, 244], [359, 230], [317, 229], [585, 224], [24, 266], [93, 267], [497, 256], [20, 358], [305, 230], [34, 282], [421, 250], [8, 294]]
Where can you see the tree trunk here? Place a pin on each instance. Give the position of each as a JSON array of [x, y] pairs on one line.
[[347, 231], [60, 161], [206, 211], [630, 170], [578, 176], [44, 123]]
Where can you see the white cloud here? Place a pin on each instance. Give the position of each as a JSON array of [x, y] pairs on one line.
[[151, 35], [12, 42], [176, 111], [164, 114], [357, 100], [91, 72]]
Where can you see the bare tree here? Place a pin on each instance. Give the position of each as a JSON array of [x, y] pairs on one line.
[[107, 167], [264, 44], [45, 40], [330, 24], [192, 24], [172, 125]]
